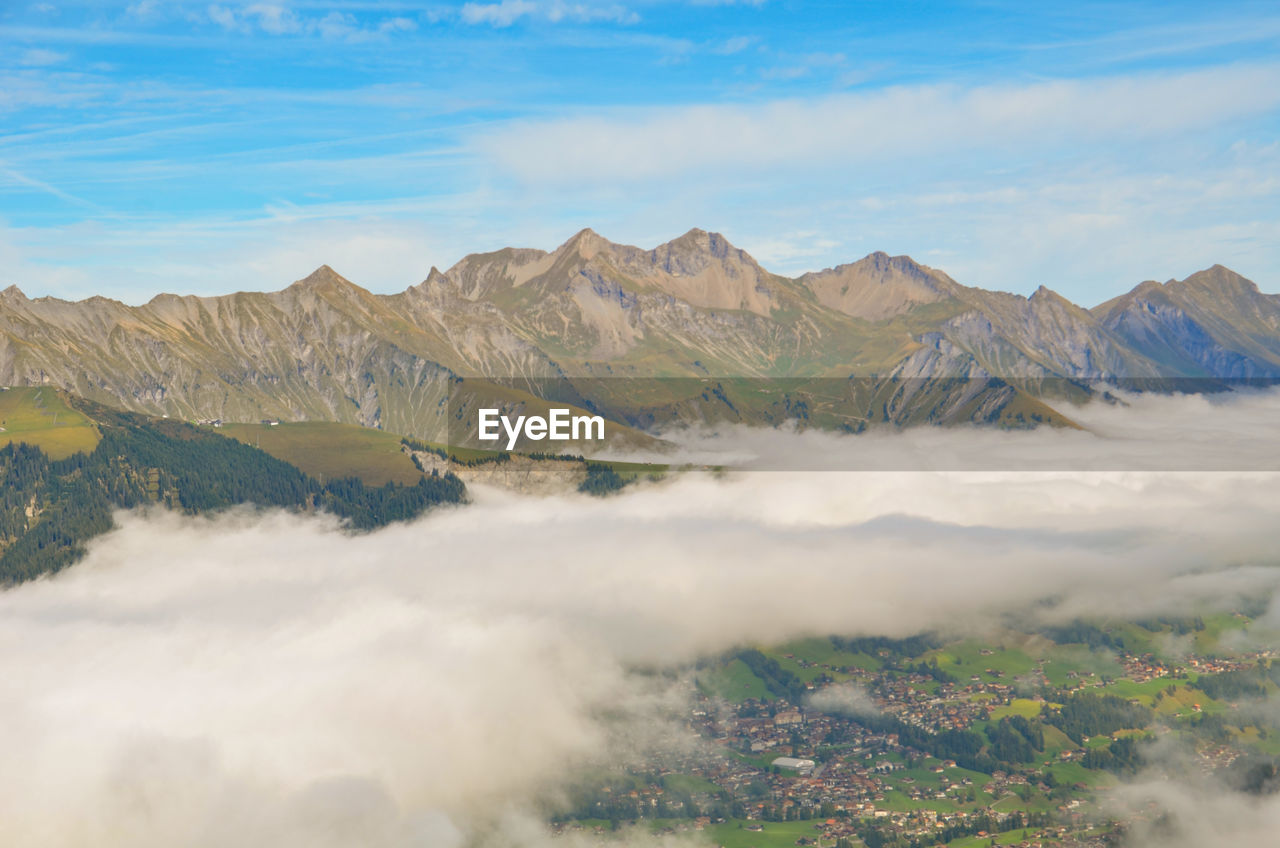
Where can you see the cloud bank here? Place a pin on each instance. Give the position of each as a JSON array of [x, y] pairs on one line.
[[1227, 431], [267, 679], [640, 145]]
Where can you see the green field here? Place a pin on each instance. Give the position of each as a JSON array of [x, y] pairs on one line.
[[690, 784], [1024, 707], [1055, 742], [40, 417], [819, 652], [1013, 837], [734, 682], [734, 834], [330, 450], [966, 659]]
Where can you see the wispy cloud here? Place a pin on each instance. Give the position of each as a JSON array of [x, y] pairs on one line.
[[507, 12], [1169, 39], [733, 45], [279, 19], [31, 182], [40, 58], [803, 66], [639, 145], [501, 14]]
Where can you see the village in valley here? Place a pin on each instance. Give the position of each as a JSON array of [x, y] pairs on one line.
[[1016, 739]]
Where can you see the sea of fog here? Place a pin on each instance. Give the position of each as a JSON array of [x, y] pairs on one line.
[[1227, 431], [269, 679]]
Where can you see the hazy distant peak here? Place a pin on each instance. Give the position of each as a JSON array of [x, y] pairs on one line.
[[13, 293], [1217, 283]]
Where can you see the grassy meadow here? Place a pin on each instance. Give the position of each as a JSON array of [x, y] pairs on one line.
[[40, 416]]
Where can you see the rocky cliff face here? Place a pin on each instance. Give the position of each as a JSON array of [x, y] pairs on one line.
[[694, 327]]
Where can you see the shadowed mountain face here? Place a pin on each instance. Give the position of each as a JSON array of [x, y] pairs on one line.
[[1214, 323], [694, 329]]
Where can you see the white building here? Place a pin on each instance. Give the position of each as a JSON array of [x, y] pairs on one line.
[[804, 768]]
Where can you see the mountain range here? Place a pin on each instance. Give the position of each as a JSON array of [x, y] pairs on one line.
[[694, 329]]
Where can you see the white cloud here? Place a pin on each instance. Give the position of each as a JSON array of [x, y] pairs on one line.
[[617, 13], [40, 58], [1229, 431], [806, 65], [844, 699], [507, 12], [792, 249], [273, 18], [1176, 802], [223, 17], [279, 19], [632, 146], [501, 14], [143, 9], [734, 45]]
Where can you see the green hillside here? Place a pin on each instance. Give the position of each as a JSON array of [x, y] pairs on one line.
[[50, 508], [328, 450]]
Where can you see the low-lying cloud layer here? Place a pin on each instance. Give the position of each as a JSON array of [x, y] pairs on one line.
[[1227, 431], [268, 679]]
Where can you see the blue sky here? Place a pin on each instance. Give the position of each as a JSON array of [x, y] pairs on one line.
[[207, 147]]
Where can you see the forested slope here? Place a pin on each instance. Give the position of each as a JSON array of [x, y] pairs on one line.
[[50, 508]]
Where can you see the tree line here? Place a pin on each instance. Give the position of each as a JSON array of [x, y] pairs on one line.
[[50, 509]]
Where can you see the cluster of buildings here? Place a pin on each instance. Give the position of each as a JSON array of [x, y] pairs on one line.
[[780, 761]]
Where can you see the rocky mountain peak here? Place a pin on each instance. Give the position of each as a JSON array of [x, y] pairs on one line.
[[884, 263], [1217, 279], [323, 277], [1044, 294], [1212, 287], [585, 244], [705, 270], [878, 286], [698, 240], [697, 250], [435, 282], [327, 349]]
